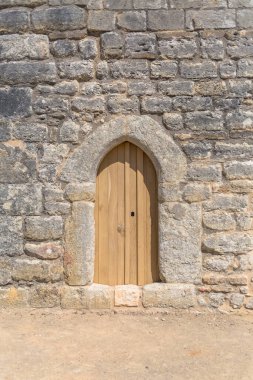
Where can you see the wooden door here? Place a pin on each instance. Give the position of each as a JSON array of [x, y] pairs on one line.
[[126, 218]]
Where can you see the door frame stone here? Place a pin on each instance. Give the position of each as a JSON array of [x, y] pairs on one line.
[[80, 171]]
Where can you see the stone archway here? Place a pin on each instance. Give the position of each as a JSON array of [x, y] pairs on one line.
[[80, 172]]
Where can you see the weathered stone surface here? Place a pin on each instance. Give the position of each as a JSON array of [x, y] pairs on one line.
[[163, 69], [21, 199], [127, 295], [239, 170], [37, 270], [43, 228], [165, 20], [212, 48], [155, 104], [132, 20], [150, 4], [44, 251], [240, 87], [130, 69], [205, 173], [249, 304], [88, 48], [15, 101], [219, 221], [82, 70], [180, 232], [226, 202], [245, 68], [86, 104], [233, 150], [59, 18], [80, 192], [101, 21], [205, 120], [16, 3], [5, 271], [44, 296], [176, 87], [191, 103], [5, 129], [141, 45], [178, 47], [67, 87], [51, 105], [240, 120], [118, 4], [14, 20], [198, 70], [244, 18], [241, 48], [112, 44], [16, 47], [123, 105], [31, 132], [79, 257], [173, 121], [236, 243], [27, 72], [88, 297], [210, 19], [69, 131], [11, 236], [211, 87], [236, 300], [216, 299], [196, 192], [13, 297], [178, 296], [63, 48], [218, 264], [141, 88], [227, 69], [197, 149]]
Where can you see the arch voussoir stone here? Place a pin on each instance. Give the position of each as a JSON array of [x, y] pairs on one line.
[[149, 135]]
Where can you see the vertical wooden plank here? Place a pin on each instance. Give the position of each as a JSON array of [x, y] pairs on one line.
[[103, 231], [152, 226], [121, 214], [96, 266], [133, 219], [127, 211], [141, 219], [112, 219]]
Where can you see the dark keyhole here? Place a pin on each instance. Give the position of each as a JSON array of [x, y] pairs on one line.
[[132, 213]]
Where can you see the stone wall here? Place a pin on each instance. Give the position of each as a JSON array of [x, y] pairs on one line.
[[67, 67]]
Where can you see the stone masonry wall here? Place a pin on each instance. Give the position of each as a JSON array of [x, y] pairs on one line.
[[67, 66]]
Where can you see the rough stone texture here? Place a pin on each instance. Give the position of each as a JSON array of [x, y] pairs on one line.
[[127, 295], [79, 257], [59, 18], [79, 77], [11, 236], [43, 228], [15, 47], [15, 102], [45, 251], [90, 297], [13, 297], [180, 232], [178, 296]]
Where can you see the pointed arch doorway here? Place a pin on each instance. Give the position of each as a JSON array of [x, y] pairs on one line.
[[126, 218]]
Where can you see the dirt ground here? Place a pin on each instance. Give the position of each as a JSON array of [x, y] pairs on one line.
[[70, 345]]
